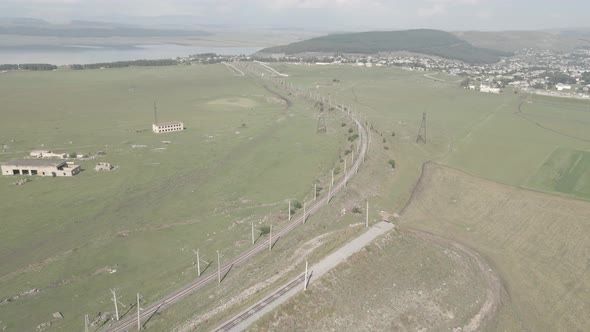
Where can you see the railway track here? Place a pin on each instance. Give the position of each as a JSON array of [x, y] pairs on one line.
[[130, 322], [268, 300]]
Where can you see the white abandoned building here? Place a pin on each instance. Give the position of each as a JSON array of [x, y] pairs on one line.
[[103, 167], [39, 167], [47, 154], [165, 127]]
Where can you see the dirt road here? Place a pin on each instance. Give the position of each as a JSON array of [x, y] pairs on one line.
[[241, 321]]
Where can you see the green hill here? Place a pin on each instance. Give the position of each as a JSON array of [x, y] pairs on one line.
[[425, 41], [564, 41]]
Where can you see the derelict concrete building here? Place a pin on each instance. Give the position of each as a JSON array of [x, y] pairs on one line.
[[165, 127], [39, 167]]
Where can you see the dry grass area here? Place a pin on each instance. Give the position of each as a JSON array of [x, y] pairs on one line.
[[538, 244], [405, 281]]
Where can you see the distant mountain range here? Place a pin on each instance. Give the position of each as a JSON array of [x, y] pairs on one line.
[[555, 40], [468, 46], [424, 41], [87, 29]]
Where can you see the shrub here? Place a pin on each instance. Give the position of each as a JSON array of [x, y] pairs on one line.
[[296, 205], [392, 163], [343, 124], [350, 130], [353, 137], [264, 230], [356, 210], [318, 190]]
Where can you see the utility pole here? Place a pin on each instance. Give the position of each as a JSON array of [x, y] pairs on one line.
[[218, 268], [345, 166], [138, 320], [86, 323], [329, 195], [114, 292], [252, 232], [422, 131], [304, 213], [289, 210], [270, 239], [352, 156], [332, 183], [315, 192], [305, 280], [198, 264], [367, 215]]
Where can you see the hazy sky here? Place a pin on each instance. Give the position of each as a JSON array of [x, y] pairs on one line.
[[329, 14]]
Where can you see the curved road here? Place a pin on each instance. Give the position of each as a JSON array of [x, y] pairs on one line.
[[130, 322]]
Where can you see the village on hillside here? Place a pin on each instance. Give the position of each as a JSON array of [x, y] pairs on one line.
[[533, 71]]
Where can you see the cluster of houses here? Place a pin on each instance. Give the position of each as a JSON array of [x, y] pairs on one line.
[[529, 69]]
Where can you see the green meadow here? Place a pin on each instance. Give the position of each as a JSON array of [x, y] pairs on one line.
[[565, 171], [470, 185], [243, 155], [504, 138]]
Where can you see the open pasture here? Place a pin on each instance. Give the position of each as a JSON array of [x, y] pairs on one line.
[[68, 240], [504, 138], [244, 153], [565, 171], [535, 242]]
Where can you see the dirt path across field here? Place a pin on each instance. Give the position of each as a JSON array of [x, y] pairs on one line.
[[269, 303], [494, 287]]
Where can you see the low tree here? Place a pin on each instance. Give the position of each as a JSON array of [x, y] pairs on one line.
[[264, 230], [392, 163]]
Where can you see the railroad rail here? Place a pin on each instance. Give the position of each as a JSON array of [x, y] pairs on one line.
[[130, 322]]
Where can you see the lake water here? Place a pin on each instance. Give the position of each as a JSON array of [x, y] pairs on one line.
[[63, 55]]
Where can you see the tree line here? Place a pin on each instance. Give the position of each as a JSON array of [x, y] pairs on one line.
[[123, 64], [28, 66], [117, 64]]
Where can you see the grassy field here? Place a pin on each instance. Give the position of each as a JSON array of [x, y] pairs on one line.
[[537, 242], [242, 156], [65, 237], [533, 241], [565, 171], [420, 286]]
